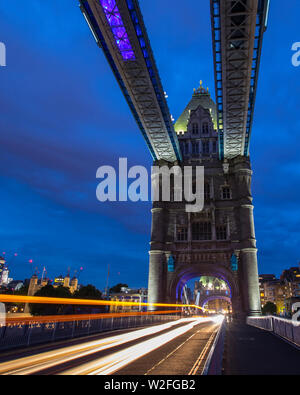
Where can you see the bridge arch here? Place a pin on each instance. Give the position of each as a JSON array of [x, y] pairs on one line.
[[183, 273]]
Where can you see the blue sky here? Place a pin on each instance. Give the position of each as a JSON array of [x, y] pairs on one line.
[[63, 116]]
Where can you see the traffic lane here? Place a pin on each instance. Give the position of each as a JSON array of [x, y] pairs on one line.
[[114, 361], [179, 356], [13, 354], [50, 359]]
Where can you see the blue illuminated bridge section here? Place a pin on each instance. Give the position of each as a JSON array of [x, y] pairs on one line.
[[118, 28]]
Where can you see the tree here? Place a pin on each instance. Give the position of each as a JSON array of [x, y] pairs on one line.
[[269, 308], [51, 309], [89, 292], [117, 288]]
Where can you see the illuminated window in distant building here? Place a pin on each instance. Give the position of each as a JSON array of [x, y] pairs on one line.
[[221, 232], [182, 233], [205, 128], [226, 193], [195, 128], [201, 231]]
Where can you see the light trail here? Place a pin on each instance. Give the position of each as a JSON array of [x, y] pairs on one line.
[[114, 362], [81, 317], [85, 302], [36, 363]]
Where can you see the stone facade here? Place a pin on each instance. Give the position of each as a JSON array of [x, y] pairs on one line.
[[203, 243]]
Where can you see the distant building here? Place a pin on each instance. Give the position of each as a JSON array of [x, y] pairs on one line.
[[74, 285], [129, 295], [2, 266], [5, 280], [15, 285], [264, 278], [280, 291], [59, 281]]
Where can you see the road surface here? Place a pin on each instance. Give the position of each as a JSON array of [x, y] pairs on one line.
[[175, 348]]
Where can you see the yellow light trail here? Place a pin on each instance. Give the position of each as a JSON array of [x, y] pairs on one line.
[[66, 301], [81, 317]]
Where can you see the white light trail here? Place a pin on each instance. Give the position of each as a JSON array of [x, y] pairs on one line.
[[114, 362], [35, 363]]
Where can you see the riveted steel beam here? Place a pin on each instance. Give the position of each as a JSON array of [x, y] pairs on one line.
[[237, 28], [119, 30]]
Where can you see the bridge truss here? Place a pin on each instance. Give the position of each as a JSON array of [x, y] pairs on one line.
[[119, 30], [237, 28]]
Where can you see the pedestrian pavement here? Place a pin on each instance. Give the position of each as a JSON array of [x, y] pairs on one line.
[[252, 351]]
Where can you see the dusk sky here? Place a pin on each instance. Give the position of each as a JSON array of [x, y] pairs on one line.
[[63, 115]]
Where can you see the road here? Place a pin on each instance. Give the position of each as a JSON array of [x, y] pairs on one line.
[[177, 348]]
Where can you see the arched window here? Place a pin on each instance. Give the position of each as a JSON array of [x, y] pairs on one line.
[[195, 128], [205, 128]]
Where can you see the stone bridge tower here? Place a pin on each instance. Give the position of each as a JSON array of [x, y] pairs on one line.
[[218, 241]]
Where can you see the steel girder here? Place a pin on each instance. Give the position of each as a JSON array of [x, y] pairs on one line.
[[119, 30], [237, 28]]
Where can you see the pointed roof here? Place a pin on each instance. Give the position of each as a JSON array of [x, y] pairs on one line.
[[201, 97]]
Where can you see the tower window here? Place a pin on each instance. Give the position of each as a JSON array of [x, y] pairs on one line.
[[195, 148], [187, 148], [206, 191], [226, 193], [205, 147], [201, 231], [182, 233], [221, 232], [184, 147], [205, 128], [195, 128], [214, 147]]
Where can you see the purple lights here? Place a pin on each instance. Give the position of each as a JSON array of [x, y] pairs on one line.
[[118, 29]]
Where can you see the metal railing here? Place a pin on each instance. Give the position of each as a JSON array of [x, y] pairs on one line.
[[214, 361], [27, 331], [287, 329], [38, 330]]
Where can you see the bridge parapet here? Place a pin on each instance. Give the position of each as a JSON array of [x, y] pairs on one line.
[[287, 329]]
